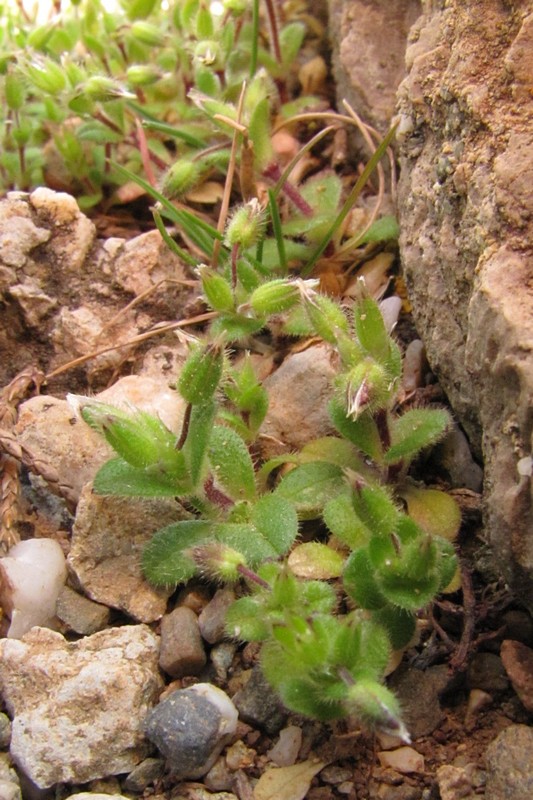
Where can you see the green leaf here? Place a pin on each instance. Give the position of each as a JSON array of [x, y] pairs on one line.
[[94, 131], [231, 463], [370, 329], [360, 582], [310, 486], [275, 518], [260, 134], [434, 511], [381, 230], [375, 506], [244, 620], [363, 431], [399, 624], [362, 647], [164, 562], [290, 40], [120, 478], [199, 433], [247, 540], [332, 449], [341, 519], [315, 560], [415, 430]]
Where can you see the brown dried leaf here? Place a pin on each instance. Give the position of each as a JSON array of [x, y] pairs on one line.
[[287, 783]]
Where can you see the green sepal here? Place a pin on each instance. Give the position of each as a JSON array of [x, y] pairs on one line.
[[362, 647], [310, 486], [376, 707], [231, 463], [415, 430], [164, 561], [201, 373]]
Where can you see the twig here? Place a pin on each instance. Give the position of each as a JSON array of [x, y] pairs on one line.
[[458, 662]]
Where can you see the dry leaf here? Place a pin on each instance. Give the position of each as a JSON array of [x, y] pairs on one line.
[[287, 783], [209, 192]]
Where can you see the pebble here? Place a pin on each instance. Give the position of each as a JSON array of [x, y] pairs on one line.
[[182, 651], [80, 614], [144, 774], [403, 759], [190, 728], [5, 731], [453, 782], [222, 658], [238, 756], [335, 775], [453, 454], [10, 791], [219, 778], [259, 705], [509, 760], [285, 751], [477, 701], [212, 618], [518, 663], [486, 672]]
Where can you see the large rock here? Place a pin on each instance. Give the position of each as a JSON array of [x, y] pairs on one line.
[[369, 39], [78, 706], [466, 213]]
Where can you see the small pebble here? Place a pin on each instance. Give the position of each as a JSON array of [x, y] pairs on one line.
[[10, 791], [477, 700], [222, 658], [80, 614], [404, 760], [518, 663], [238, 756], [285, 751], [212, 619], [335, 775], [144, 774], [182, 650], [5, 731], [219, 778], [190, 728], [453, 782]]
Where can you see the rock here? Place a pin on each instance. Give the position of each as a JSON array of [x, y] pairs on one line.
[[518, 662], [96, 796], [298, 394], [285, 751], [419, 695], [369, 40], [80, 614], [213, 617], [73, 232], [182, 650], [144, 774], [487, 672], [259, 705], [146, 261], [221, 657], [453, 455], [454, 783], [509, 760], [190, 728], [10, 791], [77, 706], [34, 303], [466, 220], [108, 537], [403, 759]]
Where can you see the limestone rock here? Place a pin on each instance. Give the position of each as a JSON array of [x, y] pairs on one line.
[[509, 763], [298, 394], [145, 261], [466, 214], [77, 706], [369, 40], [108, 537]]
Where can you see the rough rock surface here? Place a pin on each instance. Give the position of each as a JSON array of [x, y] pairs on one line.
[[78, 706], [466, 215], [509, 761], [61, 287], [369, 39], [108, 537]]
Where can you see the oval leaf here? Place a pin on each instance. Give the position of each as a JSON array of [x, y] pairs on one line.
[[231, 463], [315, 560], [310, 486]]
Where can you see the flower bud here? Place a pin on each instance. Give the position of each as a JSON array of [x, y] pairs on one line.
[[246, 225], [201, 373], [142, 74], [207, 52], [377, 707], [180, 178], [274, 297], [326, 317], [47, 76], [101, 88], [368, 388], [217, 290], [148, 33], [217, 561]]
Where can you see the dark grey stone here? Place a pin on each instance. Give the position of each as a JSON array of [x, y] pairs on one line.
[[259, 705]]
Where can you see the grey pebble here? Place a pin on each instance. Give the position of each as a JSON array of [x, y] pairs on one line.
[[190, 729], [486, 672], [213, 617], [259, 705], [144, 774], [419, 694], [80, 614]]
